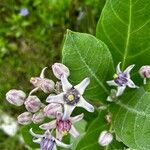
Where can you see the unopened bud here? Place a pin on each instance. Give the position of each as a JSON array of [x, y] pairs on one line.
[[145, 72], [25, 118], [52, 109], [105, 138], [38, 117], [47, 86], [32, 103], [36, 81], [15, 97], [59, 70]]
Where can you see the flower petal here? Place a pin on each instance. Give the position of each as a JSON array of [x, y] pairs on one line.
[[77, 118], [61, 144], [74, 132], [55, 99], [65, 83], [118, 68], [34, 90], [36, 135], [82, 85], [131, 84], [120, 90], [54, 148], [128, 70], [58, 135], [38, 140], [68, 109], [48, 126], [112, 83], [42, 75], [83, 103]]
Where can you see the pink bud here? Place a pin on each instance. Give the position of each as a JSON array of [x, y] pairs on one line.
[[59, 70], [52, 109], [145, 72], [36, 81], [32, 103], [105, 138], [47, 85], [38, 117], [15, 97], [25, 118]]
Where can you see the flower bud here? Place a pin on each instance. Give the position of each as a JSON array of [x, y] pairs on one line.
[[25, 118], [105, 138], [47, 86], [51, 110], [38, 117], [15, 97], [59, 70], [36, 81], [32, 103], [145, 72]]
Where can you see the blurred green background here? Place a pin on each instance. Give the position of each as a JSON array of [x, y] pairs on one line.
[[30, 42]]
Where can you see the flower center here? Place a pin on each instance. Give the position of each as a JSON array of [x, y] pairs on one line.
[[72, 96], [120, 79], [63, 126], [47, 144]]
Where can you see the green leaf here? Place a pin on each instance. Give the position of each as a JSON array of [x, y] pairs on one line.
[[125, 27], [131, 120], [87, 56], [90, 140]]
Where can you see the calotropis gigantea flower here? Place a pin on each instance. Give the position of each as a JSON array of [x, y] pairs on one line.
[[71, 96], [122, 79], [47, 141], [63, 126], [42, 83]]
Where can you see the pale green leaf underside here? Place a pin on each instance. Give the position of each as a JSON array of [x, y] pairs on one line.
[[87, 56], [131, 120], [125, 27]]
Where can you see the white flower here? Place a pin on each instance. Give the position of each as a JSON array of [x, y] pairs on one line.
[[71, 96], [105, 138], [122, 79], [47, 141], [63, 126]]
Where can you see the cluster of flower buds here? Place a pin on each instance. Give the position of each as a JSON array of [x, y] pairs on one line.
[[63, 98]]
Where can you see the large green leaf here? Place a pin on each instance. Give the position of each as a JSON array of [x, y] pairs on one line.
[[125, 27], [90, 139], [131, 120], [87, 56]]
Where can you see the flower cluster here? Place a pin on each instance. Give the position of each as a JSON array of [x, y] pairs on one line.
[[62, 100]]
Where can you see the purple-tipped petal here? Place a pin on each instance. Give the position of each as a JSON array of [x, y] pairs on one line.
[[74, 132], [77, 118], [131, 84], [66, 85], [118, 70], [83, 103], [68, 109], [55, 99], [48, 126], [120, 90], [61, 144], [128, 70], [82, 85], [112, 83]]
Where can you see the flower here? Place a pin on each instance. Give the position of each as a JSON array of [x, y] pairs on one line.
[[63, 126], [47, 141], [24, 12], [105, 138], [32, 103], [15, 97], [71, 96], [38, 117], [42, 83], [59, 70], [145, 72], [122, 79], [25, 118]]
